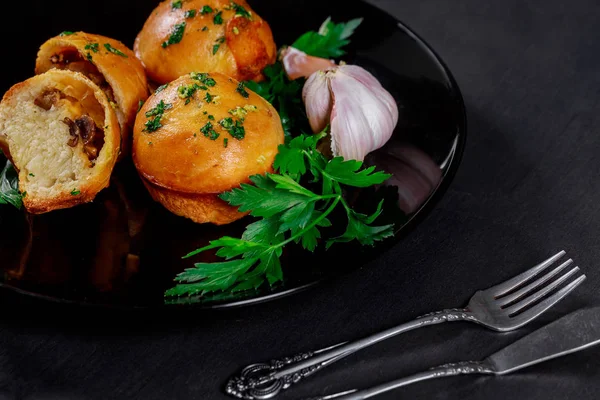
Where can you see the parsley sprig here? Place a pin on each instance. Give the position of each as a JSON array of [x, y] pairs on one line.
[[288, 212], [329, 41], [9, 186]]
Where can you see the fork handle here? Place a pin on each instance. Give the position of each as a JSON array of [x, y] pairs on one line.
[[265, 381], [462, 368]]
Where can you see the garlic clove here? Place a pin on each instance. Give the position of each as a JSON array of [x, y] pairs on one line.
[[298, 64], [318, 100], [364, 114]]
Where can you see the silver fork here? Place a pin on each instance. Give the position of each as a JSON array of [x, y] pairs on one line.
[[504, 307]]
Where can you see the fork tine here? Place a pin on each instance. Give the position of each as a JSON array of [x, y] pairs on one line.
[[534, 312], [533, 285], [540, 293], [505, 287]]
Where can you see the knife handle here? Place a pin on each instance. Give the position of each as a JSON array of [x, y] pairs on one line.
[[446, 370]]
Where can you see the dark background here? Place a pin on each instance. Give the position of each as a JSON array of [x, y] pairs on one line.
[[528, 187]]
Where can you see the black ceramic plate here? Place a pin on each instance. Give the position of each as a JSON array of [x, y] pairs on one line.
[[124, 250]]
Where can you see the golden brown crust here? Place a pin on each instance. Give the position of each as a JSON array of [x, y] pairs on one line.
[[68, 82], [179, 157], [200, 208], [242, 56], [125, 75]]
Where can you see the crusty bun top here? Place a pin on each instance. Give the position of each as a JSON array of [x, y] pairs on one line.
[[118, 65], [221, 36], [202, 146]]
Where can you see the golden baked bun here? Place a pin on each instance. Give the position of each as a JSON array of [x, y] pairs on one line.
[[203, 135], [221, 36], [107, 62], [63, 137]]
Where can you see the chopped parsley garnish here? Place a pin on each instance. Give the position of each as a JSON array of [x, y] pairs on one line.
[[187, 92], [190, 13], [235, 129], [218, 19], [225, 142], [205, 112], [176, 4], [140, 105], [206, 10], [75, 192], [205, 29], [209, 131], [239, 10], [219, 41], [161, 88], [204, 78], [93, 47], [241, 112], [176, 35], [111, 49], [236, 31], [32, 175], [67, 33], [211, 117], [209, 98], [157, 112], [241, 89], [88, 56]]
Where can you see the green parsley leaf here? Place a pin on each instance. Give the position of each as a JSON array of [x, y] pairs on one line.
[[206, 10], [286, 96], [218, 44], [209, 131], [93, 47], [235, 129], [241, 89], [140, 105], [157, 112], [205, 29], [348, 172], [240, 10], [9, 186], [204, 78], [218, 19], [190, 13], [225, 142], [359, 229], [329, 41], [111, 49], [176, 4], [187, 92], [75, 192], [67, 33], [176, 35]]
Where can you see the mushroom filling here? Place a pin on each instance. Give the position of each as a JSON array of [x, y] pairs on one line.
[[73, 61], [92, 137]]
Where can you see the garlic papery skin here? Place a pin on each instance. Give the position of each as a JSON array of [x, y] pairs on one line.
[[298, 64], [318, 101], [362, 114]]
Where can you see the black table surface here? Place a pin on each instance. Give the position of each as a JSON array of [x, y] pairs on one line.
[[528, 187]]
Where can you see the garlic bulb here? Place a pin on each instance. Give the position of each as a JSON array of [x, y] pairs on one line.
[[362, 114]]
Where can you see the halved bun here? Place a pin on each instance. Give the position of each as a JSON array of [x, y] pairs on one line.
[[186, 163], [241, 46], [116, 71], [63, 137]]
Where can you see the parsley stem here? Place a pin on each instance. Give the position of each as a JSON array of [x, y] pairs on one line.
[[315, 222]]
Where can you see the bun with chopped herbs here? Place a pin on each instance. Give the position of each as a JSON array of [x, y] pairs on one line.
[[63, 138], [202, 135], [107, 62], [223, 36]]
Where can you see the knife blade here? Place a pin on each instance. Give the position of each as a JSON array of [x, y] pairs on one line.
[[576, 331]]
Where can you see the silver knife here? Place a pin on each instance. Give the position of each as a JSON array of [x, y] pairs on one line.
[[574, 332]]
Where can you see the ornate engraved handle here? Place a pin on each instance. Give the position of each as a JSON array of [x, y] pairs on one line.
[[462, 368], [265, 381]]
